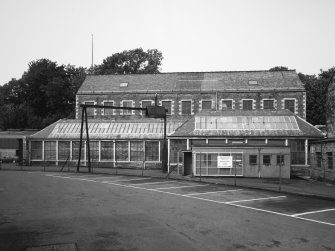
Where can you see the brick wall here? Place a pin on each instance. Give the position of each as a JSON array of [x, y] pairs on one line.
[[196, 98]]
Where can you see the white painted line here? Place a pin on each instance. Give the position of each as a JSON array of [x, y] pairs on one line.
[[314, 212], [153, 183], [105, 177], [131, 179], [214, 201], [180, 187], [266, 198], [224, 191]]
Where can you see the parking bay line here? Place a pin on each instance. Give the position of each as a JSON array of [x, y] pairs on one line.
[[265, 198], [314, 212], [224, 191], [158, 182], [215, 201], [161, 188]]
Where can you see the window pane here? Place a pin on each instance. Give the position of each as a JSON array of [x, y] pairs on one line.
[[90, 111], [63, 150], [107, 150], [318, 159], [290, 105], [268, 104], [75, 150], [146, 103], [280, 160], [49, 150], [206, 105], [253, 159], [94, 150], [121, 150], [186, 107], [36, 150], [168, 106], [266, 159], [330, 160], [127, 104], [247, 104], [108, 111], [136, 150], [152, 150], [227, 104]]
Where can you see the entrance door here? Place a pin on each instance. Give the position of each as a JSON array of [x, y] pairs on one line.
[[187, 163]]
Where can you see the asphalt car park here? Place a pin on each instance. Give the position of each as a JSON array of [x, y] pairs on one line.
[[309, 209], [41, 210]]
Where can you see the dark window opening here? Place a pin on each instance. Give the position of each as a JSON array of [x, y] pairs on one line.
[[267, 160], [253, 159], [247, 105]]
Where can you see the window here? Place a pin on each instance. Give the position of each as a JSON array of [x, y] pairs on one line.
[[267, 160], [89, 110], [63, 150], [108, 111], [152, 150], [227, 104], [186, 107], [206, 104], [253, 82], [253, 159], [330, 160], [75, 150], [289, 104], [268, 104], [107, 150], [49, 150], [136, 151], [121, 150], [123, 85], [280, 160], [127, 103], [318, 159], [168, 106], [36, 150], [146, 103], [94, 150], [247, 104]]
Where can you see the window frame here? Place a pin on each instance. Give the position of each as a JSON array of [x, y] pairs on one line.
[[90, 110], [232, 104], [267, 108], [127, 112], [330, 160], [294, 106], [252, 104], [281, 159], [202, 104], [253, 159], [103, 111], [145, 100], [169, 112], [182, 107], [267, 159]]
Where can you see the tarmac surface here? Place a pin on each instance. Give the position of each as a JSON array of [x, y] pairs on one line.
[[51, 210], [304, 187]]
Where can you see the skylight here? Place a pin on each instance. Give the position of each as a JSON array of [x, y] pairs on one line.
[[253, 82], [123, 85]]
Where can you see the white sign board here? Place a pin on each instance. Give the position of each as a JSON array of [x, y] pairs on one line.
[[225, 161]]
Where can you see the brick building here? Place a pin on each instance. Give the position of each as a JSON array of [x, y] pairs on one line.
[[130, 137]]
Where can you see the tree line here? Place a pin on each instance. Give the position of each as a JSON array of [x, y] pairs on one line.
[[46, 91]]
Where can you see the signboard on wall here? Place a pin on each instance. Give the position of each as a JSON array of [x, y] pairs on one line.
[[225, 161]]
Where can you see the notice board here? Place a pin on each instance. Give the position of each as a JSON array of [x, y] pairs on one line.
[[225, 161]]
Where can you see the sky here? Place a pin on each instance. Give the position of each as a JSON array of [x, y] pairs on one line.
[[193, 35]]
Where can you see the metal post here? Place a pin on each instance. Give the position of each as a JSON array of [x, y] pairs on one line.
[[200, 166], [164, 159], [280, 166], [88, 144], [81, 137], [234, 172]]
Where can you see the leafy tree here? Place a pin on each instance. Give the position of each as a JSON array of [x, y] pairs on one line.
[[317, 94], [279, 68], [132, 61]]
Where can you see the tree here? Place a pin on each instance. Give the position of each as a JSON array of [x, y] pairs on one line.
[[279, 68], [317, 95], [132, 61]]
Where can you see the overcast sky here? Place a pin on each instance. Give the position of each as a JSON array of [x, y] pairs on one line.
[[193, 35]]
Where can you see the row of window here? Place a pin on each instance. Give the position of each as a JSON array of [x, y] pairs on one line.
[[329, 157], [253, 160], [187, 106], [103, 150]]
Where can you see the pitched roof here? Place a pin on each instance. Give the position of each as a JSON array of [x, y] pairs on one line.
[[105, 129], [239, 123], [196, 81]]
